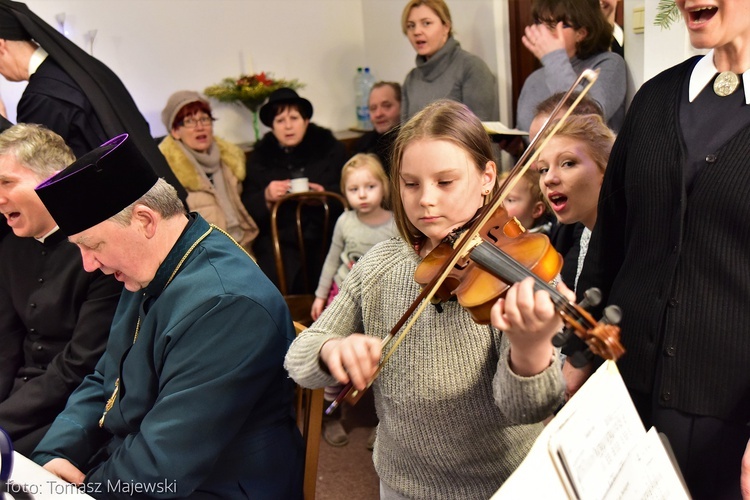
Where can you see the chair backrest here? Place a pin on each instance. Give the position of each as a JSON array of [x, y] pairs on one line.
[[328, 205], [309, 410]]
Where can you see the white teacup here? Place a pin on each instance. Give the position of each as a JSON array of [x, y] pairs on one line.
[[299, 185]]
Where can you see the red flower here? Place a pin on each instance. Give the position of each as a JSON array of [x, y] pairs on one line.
[[253, 80]]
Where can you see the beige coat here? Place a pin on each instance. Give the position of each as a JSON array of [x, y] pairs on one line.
[[201, 194]]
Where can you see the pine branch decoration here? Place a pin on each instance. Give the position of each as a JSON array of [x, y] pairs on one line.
[[666, 14]]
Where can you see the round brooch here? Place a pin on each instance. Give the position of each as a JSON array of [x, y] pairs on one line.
[[726, 83]]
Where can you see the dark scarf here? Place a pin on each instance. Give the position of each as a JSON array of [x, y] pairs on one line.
[[315, 145]]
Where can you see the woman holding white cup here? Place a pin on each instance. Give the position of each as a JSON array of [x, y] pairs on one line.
[[296, 155], [299, 185]]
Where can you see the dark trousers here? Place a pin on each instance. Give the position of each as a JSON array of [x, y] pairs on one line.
[[26, 444], [293, 264], [708, 450]]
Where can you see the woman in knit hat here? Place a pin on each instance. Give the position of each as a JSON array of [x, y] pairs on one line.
[[210, 169]]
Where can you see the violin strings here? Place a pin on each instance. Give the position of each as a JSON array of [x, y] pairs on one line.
[[489, 256]]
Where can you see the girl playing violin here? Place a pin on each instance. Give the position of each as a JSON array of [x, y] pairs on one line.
[[459, 403]]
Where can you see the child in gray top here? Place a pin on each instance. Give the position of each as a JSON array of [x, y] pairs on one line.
[[365, 185]]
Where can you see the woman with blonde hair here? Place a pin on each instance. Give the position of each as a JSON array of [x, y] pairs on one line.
[[571, 168], [443, 69]]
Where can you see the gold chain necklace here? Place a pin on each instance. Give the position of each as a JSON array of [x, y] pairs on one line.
[[113, 397]]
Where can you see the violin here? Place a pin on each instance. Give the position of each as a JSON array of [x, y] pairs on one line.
[[501, 254], [478, 288], [479, 263]]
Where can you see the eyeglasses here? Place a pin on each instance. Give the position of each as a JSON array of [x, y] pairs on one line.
[[551, 24], [191, 122]]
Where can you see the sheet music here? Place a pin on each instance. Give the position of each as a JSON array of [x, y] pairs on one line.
[[596, 447], [498, 128], [29, 481], [642, 475], [592, 444]]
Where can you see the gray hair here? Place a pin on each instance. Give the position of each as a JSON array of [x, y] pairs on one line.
[[36, 148], [162, 198]]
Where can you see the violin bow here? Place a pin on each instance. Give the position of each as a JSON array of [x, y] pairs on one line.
[[467, 240]]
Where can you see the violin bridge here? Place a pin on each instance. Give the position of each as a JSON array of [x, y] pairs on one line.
[[474, 242]]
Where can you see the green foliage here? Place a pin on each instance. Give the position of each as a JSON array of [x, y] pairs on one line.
[[250, 90], [666, 14]]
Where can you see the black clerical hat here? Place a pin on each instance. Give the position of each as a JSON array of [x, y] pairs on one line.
[[98, 185]]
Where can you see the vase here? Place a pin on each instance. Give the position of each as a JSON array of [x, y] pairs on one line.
[[254, 106], [256, 125]]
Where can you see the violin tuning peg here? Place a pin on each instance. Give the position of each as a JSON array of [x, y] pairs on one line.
[[579, 359], [561, 338], [612, 315], [591, 297]]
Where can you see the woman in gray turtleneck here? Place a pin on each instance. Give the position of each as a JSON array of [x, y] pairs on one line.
[[444, 69]]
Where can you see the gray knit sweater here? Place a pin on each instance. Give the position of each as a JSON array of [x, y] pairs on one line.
[[454, 420], [558, 74], [451, 73], [351, 239]]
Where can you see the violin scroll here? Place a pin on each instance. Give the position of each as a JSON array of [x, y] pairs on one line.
[[599, 339]]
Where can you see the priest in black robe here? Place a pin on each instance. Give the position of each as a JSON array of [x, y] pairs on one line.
[[70, 91], [54, 316]]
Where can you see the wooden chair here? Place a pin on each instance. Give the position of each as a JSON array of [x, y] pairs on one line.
[[309, 406], [330, 204]]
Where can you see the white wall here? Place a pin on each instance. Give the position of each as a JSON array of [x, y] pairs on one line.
[[159, 46], [654, 50], [389, 53]]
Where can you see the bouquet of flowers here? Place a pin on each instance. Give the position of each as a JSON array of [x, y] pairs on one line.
[[250, 91]]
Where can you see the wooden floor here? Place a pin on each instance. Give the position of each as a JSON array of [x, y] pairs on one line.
[[347, 472]]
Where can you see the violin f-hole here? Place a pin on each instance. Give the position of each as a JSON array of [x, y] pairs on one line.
[[512, 228]]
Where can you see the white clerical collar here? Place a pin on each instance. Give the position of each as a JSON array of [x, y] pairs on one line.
[[37, 58], [618, 34], [704, 72], [54, 230]]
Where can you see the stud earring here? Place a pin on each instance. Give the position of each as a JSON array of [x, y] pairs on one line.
[[486, 192]]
